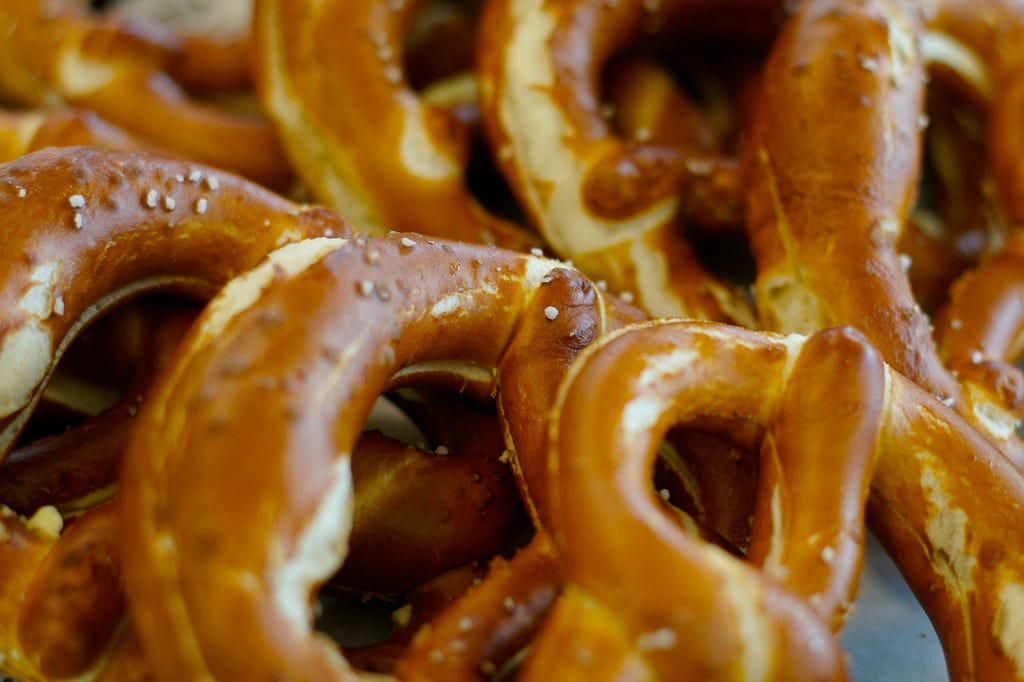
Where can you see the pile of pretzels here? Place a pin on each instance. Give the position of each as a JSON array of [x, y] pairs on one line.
[[679, 299]]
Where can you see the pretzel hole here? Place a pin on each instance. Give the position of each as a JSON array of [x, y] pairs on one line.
[[709, 472], [438, 59], [955, 220], [70, 451], [100, 365], [439, 501]]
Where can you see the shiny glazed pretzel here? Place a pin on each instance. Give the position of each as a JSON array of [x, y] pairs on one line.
[[89, 228], [60, 52], [942, 499], [377, 313], [331, 75], [609, 204], [829, 194]]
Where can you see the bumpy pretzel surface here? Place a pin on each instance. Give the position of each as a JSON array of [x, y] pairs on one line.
[[411, 309]]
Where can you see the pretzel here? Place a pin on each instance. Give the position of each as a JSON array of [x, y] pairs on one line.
[[213, 39], [90, 228], [120, 70], [956, 220], [63, 594], [330, 75], [827, 200], [930, 469], [405, 307], [610, 205], [483, 632]]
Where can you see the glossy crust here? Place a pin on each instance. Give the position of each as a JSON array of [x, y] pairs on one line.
[[739, 623], [829, 195], [88, 228], [62, 599], [331, 75], [942, 499], [208, 597], [611, 205]]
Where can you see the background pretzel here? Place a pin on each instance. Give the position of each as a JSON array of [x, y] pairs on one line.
[[824, 214], [61, 596], [59, 51], [97, 227], [610, 205], [331, 74]]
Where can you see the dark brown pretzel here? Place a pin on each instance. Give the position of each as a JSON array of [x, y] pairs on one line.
[[609, 204], [89, 228]]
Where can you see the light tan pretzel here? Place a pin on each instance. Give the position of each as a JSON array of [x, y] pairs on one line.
[[834, 160], [23, 132], [59, 51], [376, 312], [610, 205], [943, 500], [88, 228], [331, 75]]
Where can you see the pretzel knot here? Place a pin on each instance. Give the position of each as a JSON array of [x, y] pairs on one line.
[[371, 147], [829, 194], [829, 407]]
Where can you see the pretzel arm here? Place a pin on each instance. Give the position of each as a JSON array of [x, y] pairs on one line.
[[946, 505]]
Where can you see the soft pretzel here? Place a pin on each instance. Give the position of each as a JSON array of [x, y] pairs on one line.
[[493, 623], [689, 611], [88, 228], [829, 193], [23, 132], [377, 312], [331, 75], [610, 205], [59, 51], [943, 500]]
